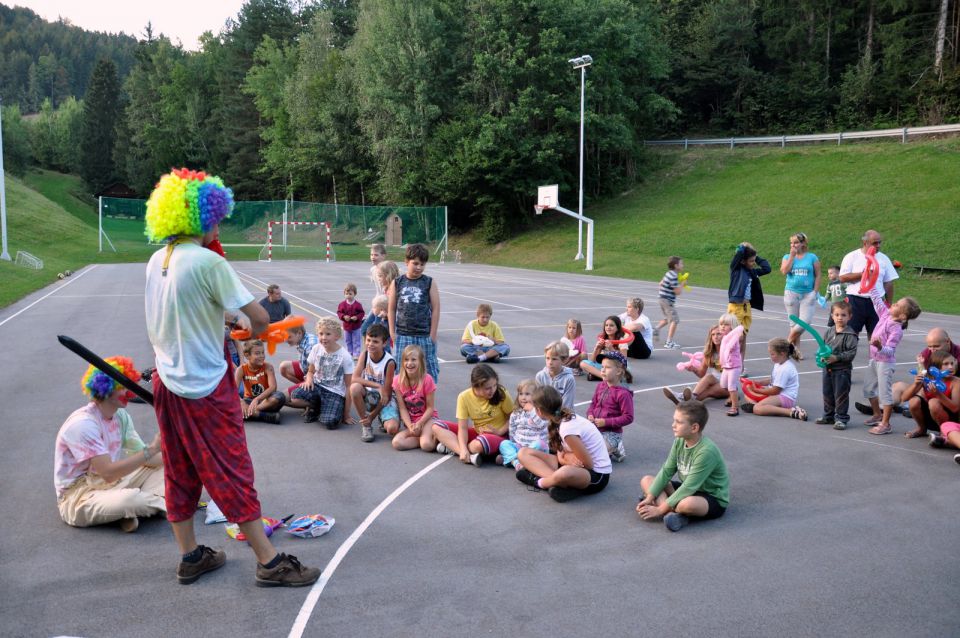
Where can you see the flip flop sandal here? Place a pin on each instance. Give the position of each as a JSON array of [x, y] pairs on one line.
[[878, 430], [733, 412]]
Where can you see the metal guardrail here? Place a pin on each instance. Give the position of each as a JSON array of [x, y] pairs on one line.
[[903, 133]]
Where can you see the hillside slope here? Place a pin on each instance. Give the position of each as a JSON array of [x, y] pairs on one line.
[[700, 204]]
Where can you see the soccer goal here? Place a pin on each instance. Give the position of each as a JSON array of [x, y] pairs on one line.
[[27, 260], [306, 240]]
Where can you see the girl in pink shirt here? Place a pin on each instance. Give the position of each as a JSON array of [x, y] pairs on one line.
[[731, 360]]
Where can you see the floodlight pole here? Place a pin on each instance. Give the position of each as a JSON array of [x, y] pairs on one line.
[[581, 63], [4, 254]]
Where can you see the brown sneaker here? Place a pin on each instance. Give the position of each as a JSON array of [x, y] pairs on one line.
[[667, 392], [288, 573], [210, 560]]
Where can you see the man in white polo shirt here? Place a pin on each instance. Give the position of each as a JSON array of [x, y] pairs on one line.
[[851, 271]]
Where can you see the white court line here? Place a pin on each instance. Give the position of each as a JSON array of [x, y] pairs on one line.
[[902, 449], [76, 276], [309, 303], [300, 624], [490, 301]]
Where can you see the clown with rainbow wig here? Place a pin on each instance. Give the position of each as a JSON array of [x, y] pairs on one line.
[[103, 471], [191, 291]]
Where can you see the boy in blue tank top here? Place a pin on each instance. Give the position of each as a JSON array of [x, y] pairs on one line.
[[414, 308]]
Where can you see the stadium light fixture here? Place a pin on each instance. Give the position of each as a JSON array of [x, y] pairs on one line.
[[581, 63]]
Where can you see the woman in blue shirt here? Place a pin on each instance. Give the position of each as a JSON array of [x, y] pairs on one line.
[[802, 269]]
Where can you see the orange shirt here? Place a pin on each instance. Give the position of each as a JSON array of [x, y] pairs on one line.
[[254, 382]]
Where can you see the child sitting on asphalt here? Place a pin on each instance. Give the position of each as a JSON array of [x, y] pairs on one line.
[[611, 408], [296, 371], [839, 366], [261, 401], [612, 337], [556, 374], [330, 368], [780, 396], [703, 491], [487, 405], [415, 392], [482, 338], [573, 339], [372, 388], [708, 370], [578, 465], [526, 428], [929, 407]]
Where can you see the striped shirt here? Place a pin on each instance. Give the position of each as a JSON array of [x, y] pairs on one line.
[[670, 281]]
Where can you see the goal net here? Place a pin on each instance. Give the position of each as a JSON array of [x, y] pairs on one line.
[[298, 240]]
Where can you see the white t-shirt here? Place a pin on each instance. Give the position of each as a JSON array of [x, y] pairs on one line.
[[644, 327], [856, 261], [329, 368], [184, 313], [85, 435], [786, 378], [592, 440]]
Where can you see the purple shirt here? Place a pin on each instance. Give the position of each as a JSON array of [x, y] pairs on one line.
[[614, 403], [888, 332]]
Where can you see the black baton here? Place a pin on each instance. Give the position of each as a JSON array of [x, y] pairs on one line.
[[104, 367]]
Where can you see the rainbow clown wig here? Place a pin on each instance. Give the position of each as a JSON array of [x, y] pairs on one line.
[[186, 202], [98, 386]]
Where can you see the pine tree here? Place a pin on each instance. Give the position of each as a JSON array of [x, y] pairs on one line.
[[101, 108]]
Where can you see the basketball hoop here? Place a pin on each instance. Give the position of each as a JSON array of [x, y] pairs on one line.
[[538, 209]]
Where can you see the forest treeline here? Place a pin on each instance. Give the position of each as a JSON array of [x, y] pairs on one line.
[[469, 103]]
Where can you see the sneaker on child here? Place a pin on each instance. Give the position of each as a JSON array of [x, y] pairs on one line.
[[366, 433], [675, 522]]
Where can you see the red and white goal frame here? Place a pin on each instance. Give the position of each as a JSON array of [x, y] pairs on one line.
[[271, 224]]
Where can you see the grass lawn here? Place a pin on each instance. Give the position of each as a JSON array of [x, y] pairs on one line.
[[700, 204]]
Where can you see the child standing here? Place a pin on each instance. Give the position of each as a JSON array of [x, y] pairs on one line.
[[781, 394], [731, 361], [378, 315], [744, 292], [350, 312], [330, 369], [579, 464], [878, 381], [414, 308], [387, 272], [372, 392], [839, 366], [612, 337], [573, 339], [482, 339], [415, 389], [930, 407], [556, 374], [487, 405], [261, 401], [378, 253], [612, 405], [703, 491], [836, 290], [526, 428], [669, 289]]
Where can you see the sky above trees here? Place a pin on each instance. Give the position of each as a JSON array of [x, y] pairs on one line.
[[183, 20]]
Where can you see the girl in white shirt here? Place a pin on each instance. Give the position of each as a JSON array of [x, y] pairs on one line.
[[780, 396], [579, 464]]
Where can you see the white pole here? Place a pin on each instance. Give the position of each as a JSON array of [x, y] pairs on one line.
[[590, 245], [4, 254], [285, 220], [100, 223], [446, 230], [583, 77]]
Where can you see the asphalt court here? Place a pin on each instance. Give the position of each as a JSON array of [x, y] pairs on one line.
[[828, 533]]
